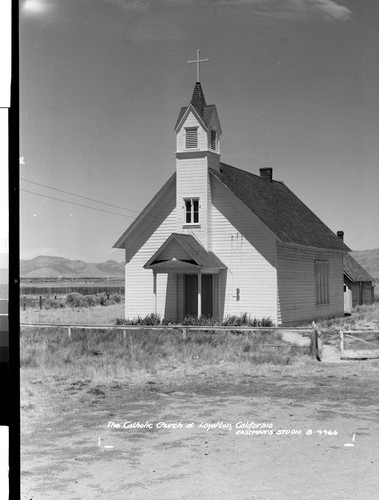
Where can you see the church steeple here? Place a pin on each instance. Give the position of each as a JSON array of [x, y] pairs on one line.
[[198, 134], [198, 99], [198, 127]]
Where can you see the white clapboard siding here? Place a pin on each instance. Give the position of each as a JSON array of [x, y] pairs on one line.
[[192, 182], [296, 283], [139, 300], [249, 254]]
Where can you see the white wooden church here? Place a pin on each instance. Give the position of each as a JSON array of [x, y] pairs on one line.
[[218, 241]]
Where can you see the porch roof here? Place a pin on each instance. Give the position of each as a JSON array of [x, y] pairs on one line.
[[198, 257]]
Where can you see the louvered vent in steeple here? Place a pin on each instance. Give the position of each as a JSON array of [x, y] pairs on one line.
[[191, 138]]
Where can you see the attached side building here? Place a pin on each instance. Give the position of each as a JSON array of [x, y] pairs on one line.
[[220, 241], [358, 283]]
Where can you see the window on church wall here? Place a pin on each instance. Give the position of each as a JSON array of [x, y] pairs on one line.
[[213, 140], [192, 210], [191, 138], [322, 282]]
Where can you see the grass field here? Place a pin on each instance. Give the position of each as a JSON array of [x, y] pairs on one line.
[[98, 315], [74, 394], [104, 356]]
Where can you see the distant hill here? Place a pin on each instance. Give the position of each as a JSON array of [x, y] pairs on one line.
[[369, 259], [53, 267]]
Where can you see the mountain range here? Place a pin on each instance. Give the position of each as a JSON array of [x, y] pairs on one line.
[[53, 267], [44, 266], [369, 259]]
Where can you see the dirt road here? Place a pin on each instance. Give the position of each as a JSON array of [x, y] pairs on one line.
[[78, 439]]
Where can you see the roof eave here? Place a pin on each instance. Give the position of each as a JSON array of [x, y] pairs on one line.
[[120, 243], [189, 108]]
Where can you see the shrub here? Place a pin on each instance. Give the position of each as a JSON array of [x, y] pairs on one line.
[[149, 320], [154, 319], [53, 304], [202, 321], [92, 300], [102, 299], [245, 320], [76, 300], [121, 321], [166, 322], [117, 298]]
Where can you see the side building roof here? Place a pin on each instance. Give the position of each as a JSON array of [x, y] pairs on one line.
[[353, 270], [279, 209]]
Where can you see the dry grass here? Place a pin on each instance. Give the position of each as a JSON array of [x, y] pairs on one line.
[[362, 317], [99, 315], [109, 355]]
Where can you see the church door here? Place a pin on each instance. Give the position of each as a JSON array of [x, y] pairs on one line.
[[190, 295]]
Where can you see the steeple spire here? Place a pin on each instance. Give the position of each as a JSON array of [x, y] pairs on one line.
[[198, 99]]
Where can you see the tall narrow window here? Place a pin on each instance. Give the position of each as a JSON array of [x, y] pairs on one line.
[[322, 281], [191, 137], [192, 210], [213, 140], [195, 209]]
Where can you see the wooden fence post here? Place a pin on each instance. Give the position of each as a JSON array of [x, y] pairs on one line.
[[40, 302], [318, 353], [341, 340], [314, 343], [69, 332]]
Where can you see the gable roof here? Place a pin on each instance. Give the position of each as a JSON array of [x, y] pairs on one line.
[[201, 107], [206, 116], [288, 218], [353, 270], [279, 209], [148, 212], [198, 256]]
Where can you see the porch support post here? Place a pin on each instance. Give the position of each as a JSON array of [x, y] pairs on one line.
[[155, 291], [199, 295]]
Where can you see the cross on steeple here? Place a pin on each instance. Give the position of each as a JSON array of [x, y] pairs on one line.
[[198, 61]]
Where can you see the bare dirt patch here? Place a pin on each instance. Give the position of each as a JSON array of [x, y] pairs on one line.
[[62, 421]]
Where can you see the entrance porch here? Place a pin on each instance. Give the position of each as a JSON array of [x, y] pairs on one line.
[[192, 281]]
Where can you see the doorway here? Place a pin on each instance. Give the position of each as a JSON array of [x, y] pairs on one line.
[[190, 295]]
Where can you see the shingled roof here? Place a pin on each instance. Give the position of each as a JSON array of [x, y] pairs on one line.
[[353, 270], [199, 257], [198, 99], [279, 209], [198, 102]]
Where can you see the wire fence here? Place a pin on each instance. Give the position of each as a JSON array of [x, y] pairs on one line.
[[353, 346]]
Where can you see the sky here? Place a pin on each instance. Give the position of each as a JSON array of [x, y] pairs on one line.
[[295, 82]]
